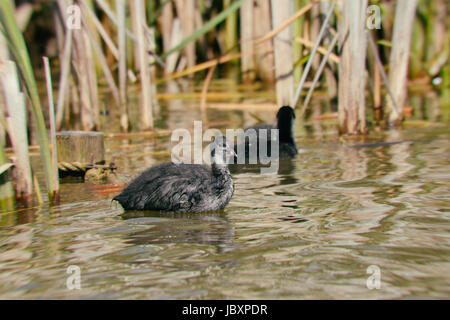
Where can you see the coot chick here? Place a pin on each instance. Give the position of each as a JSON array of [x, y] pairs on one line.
[[285, 126], [183, 187]]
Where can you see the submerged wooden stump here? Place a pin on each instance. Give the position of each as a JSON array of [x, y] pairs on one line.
[[80, 147]]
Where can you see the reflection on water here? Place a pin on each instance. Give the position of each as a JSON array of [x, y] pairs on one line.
[[310, 230], [210, 228]]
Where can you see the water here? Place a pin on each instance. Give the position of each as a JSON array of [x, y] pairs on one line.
[[308, 232]]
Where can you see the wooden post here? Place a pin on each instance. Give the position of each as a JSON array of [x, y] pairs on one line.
[[282, 43], [247, 48], [80, 146], [398, 62], [352, 68]]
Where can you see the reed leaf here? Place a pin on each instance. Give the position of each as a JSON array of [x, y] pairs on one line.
[[19, 50]]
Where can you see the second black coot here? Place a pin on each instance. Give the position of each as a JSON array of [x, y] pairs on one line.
[[285, 126], [183, 187]]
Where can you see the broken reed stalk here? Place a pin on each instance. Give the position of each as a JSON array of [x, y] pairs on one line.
[[283, 53], [107, 10], [381, 69], [135, 45], [205, 88], [314, 31], [83, 63], [186, 11], [102, 59], [329, 78], [101, 30], [37, 188], [398, 61], [64, 79], [82, 71], [167, 19], [262, 26], [51, 111], [175, 38], [375, 83], [146, 100], [312, 55], [230, 29], [352, 68], [298, 26], [17, 130], [63, 104], [318, 74], [247, 46], [121, 36], [93, 110]]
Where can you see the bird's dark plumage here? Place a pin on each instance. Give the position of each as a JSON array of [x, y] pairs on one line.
[[183, 187], [285, 126]]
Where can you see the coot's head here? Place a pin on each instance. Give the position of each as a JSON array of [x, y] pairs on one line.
[[285, 123], [285, 114], [221, 151]]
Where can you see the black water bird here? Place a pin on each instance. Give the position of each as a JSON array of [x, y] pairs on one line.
[[183, 187], [285, 126]]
